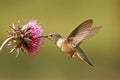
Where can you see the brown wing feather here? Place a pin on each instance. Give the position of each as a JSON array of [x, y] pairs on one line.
[[79, 33], [92, 32]]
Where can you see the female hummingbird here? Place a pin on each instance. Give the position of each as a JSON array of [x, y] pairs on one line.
[[70, 45]]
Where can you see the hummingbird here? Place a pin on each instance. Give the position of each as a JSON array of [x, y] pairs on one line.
[[70, 45]]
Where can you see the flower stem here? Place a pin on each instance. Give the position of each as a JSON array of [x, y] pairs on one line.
[[5, 42]]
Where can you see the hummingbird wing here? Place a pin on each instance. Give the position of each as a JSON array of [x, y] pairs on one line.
[[92, 32], [80, 54], [80, 32]]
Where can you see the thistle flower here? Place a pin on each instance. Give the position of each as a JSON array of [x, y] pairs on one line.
[[27, 38]]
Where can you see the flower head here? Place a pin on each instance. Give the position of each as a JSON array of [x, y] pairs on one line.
[[25, 37]]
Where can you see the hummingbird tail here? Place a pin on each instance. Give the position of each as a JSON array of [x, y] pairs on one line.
[[82, 56]]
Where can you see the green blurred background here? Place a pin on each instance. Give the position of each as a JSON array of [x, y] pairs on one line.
[[63, 16]]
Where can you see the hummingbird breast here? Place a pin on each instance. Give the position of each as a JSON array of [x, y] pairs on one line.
[[65, 46], [60, 42]]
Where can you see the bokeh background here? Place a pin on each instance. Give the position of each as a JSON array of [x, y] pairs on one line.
[[63, 16]]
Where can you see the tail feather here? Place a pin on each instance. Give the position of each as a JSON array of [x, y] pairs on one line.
[[81, 55]]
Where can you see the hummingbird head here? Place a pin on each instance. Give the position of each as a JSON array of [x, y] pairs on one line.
[[54, 37]]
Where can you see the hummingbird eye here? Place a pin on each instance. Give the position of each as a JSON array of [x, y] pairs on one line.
[[51, 35]]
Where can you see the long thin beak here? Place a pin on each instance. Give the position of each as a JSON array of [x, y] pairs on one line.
[[43, 37]]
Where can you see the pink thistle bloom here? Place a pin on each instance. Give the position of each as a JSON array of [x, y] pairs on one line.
[[35, 31], [27, 37]]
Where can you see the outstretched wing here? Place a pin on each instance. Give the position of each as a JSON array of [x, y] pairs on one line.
[[79, 33], [92, 32]]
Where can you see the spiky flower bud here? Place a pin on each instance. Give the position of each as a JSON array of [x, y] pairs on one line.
[[27, 38]]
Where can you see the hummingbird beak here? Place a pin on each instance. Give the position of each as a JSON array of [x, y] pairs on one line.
[[43, 37]]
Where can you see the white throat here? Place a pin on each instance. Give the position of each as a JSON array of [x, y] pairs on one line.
[[60, 42]]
